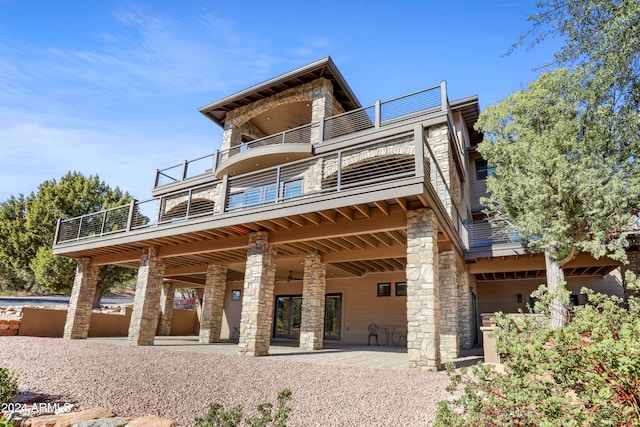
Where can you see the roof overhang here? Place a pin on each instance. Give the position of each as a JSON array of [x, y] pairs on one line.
[[217, 111]]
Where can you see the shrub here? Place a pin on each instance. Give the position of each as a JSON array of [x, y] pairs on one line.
[[584, 374], [8, 385], [219, 417]]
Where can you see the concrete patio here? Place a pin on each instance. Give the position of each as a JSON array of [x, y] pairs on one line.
[[378, 357]]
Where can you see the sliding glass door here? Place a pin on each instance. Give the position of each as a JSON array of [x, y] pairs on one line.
[[288, 316]]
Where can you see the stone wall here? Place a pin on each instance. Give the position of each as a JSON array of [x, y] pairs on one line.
[[423, 290]]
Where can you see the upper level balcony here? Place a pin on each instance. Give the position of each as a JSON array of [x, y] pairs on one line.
[[371, 158]]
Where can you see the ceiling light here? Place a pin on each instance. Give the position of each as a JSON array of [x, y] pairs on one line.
[[268, 117]]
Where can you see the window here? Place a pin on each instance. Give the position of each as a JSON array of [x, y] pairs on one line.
[[235, 295], [292, 189], [483, 170]]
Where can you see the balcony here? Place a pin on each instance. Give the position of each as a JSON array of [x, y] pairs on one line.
[[298, 143], [364, 156]]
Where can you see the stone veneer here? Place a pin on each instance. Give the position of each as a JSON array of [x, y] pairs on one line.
[[423, 300], [257, 300], [213, 303], [449, 339], [313, 301], [146, 303], [465, 311], [166, 308], [81, 301]]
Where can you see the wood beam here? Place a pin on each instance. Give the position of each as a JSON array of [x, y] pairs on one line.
[[364, 254]]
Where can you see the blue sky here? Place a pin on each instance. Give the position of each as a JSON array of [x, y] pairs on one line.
[[113, 87]]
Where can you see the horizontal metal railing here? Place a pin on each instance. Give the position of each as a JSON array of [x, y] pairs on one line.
[[482, 234], [377, 115], [299, 135], [366, 164]]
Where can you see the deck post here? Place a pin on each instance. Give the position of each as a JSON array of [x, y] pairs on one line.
[[81, 301], [313, 301], [146, 303], [423, 299], [257, 300], [212, 303]]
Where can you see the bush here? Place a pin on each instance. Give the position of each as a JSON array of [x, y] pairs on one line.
[[8, 385], [219, 417], [584, 374]]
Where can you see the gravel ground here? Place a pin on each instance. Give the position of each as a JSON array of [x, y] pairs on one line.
[[136, 381]]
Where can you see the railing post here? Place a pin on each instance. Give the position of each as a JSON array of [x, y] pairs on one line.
[[57, 235], [378, 113], [189, 203], [104, 219], [418, 133], [339, 181], [184, 169], [321, 129], [155, 185], [159, 214], [443, 95], [224, 193], [278, 192], [216, 159], [132, 210], [79, 228]]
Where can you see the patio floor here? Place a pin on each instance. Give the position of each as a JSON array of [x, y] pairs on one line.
[[380, 357]]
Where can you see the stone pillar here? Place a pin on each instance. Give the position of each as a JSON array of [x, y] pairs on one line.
[[465, 312], [321, 106], [212, 303], [313, 295], [146, 303], [257, 300], [166, 308], [449, 338], [84, 290], [423, 300]]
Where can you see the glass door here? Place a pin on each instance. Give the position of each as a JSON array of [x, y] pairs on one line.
[[332, 316], [288, 317]]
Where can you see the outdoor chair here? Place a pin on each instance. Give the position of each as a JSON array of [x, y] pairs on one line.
[[373, 332]]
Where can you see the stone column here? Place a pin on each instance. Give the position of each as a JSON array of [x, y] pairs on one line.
[[423, 300], [465, 312], [633, 266], [313, 295], [212, 303], [257, 301], [84, 290], [449, 339], [146, 303], [166, 308]]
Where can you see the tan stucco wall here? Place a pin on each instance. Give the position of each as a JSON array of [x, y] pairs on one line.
[[183, 322], [503, 295], [360, 304]]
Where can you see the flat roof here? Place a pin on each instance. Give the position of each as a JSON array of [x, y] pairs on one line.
[[325, 67]]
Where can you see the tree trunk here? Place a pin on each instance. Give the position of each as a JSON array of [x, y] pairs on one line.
[[555, 283], [97, 298]]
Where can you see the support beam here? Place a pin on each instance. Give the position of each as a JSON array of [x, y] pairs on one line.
[[313, 295], [166, 308], [212, 304], [257, 300], [423, 299], [81, 301], [146, 303]]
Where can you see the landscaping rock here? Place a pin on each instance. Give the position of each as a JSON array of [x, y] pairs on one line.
[[101, 422], [68, 420], [151, 421]]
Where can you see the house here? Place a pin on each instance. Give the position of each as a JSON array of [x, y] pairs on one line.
[[317, 219]]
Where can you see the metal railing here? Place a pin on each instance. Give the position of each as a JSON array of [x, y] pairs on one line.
[[352, 167], [483, 235], [377, 115]]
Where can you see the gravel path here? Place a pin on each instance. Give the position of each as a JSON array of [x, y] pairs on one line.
[[136, 381]]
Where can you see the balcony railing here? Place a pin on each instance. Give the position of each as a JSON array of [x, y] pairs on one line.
[[377, 115], [375, 162], [483, 235]]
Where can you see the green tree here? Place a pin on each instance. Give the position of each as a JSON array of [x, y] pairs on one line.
[[566, 151], [27, 226], [586, 374], [563, 177]]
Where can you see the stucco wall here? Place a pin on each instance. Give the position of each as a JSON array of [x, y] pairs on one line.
[[503, 295]]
